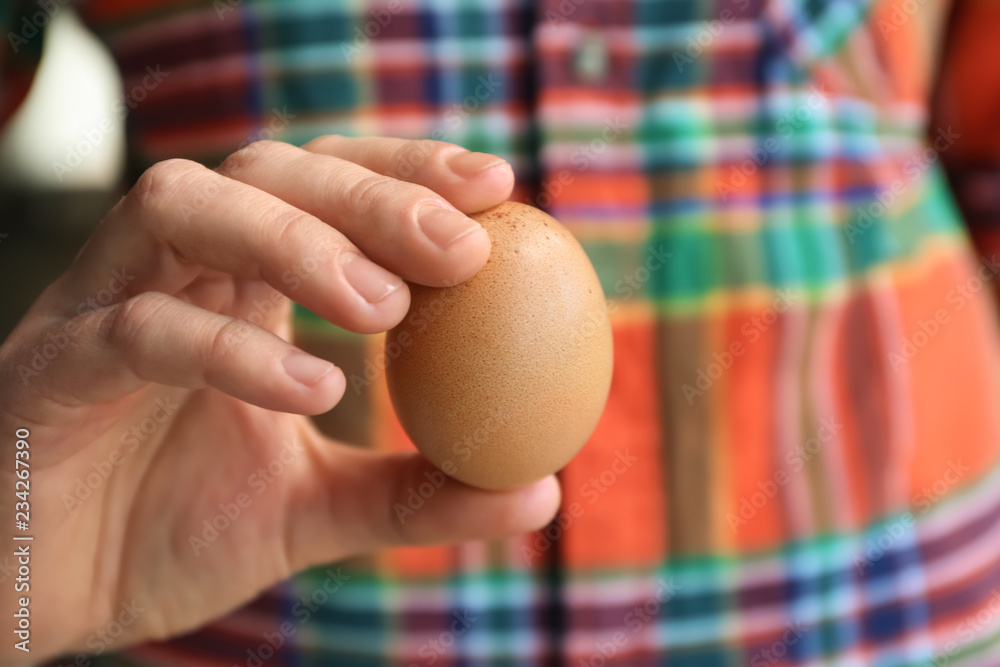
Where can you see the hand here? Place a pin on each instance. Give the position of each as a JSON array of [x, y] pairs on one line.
[[164, 393]]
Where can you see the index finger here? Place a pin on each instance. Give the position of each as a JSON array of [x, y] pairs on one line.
[[470, 181]]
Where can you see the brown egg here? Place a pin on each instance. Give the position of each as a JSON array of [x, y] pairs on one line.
[[500, 380]]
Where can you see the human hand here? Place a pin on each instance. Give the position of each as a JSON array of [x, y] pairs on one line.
[[167, 372]]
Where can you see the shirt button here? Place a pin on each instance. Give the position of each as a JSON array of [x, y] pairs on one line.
[[591, 58]]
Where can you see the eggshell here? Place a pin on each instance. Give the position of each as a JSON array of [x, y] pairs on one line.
[[500, 380]]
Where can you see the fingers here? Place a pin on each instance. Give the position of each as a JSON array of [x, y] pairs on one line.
[[407, 228], [471, 181], [307, 222], [113, 351], [383, 500], [181, 218]]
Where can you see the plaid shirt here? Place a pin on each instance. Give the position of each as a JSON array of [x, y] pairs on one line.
[[798, 462]]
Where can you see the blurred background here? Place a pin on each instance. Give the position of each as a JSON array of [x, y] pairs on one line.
[[62, 158]]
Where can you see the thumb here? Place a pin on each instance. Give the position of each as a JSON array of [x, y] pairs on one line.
[[352, 502]]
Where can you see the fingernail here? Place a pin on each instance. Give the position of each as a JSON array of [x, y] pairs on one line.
[[444, 226], [468, 165], [369, 279], [305, 368]]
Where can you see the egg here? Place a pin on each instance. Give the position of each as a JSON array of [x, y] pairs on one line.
[[500, 380]]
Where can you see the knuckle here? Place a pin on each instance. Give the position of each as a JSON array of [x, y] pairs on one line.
[[286, 223], [124, 323], [162, 181], [228, 337], [248, 156], [363, 194]]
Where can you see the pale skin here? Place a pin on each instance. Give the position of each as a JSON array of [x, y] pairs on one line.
[[205, 248]]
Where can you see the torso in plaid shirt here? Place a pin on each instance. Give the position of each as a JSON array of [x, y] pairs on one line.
[[798, 459]]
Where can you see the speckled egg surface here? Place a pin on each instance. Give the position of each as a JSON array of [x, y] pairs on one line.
[[500, 380]]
